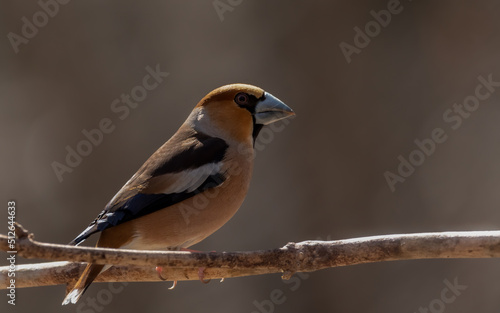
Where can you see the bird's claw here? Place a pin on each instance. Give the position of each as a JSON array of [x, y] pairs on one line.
[[173, 285], [159, 270], [201, 275], [201, 270]]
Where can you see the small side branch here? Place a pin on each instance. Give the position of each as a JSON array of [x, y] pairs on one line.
[[306, 256]]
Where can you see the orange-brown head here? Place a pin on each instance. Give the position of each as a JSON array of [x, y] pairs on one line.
[[237, 112]]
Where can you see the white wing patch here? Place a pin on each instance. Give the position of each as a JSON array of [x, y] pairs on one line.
[[185, 181]]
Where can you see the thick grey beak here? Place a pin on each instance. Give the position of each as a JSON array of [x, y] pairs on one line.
[[270, 110]]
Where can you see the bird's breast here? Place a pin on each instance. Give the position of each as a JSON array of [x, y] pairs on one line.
[[190, 221]]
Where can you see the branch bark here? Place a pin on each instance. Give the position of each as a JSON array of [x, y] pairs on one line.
[[306, 256]]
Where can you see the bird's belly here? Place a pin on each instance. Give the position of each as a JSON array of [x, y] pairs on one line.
[[190, 221]]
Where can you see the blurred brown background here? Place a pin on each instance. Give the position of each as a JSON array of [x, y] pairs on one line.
[[321, 177]]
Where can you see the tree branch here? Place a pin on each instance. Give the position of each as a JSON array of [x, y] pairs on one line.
[[306, 256]]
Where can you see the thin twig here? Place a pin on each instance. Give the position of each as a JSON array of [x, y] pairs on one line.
[[307, 256]]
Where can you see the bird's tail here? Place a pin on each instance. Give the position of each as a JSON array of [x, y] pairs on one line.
[[87, 277]]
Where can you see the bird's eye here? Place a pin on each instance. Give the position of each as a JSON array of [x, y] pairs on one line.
[[241, 98]]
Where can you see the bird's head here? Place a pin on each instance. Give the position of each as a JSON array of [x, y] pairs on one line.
[[239, 111]]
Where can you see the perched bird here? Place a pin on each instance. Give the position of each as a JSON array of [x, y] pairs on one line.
[[192, 185]]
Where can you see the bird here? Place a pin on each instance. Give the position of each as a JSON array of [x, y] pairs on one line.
[[192, 185]]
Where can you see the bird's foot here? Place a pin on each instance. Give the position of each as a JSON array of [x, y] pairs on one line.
[[159, 270], [201, 270], [201, 275]]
